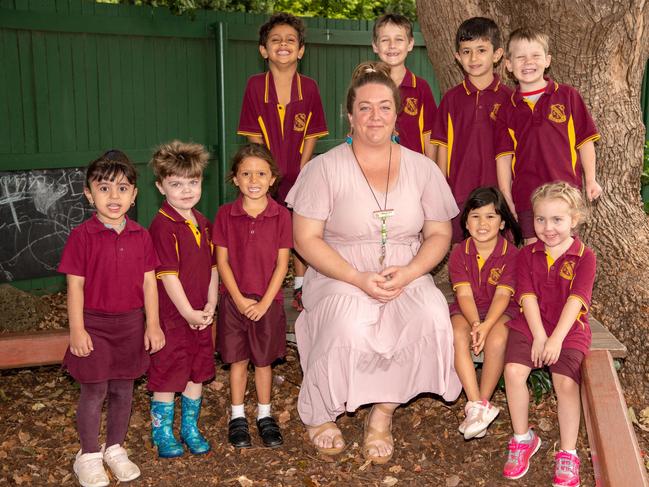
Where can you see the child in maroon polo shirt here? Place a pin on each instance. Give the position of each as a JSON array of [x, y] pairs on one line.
[[554, 284], [282, 110], [466, 118], [482, 270], [188, 290], [392, 40], [253, 239], [545, 127], [109, 261]]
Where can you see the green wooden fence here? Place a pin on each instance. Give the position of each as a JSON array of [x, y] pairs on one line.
[[79, 78]]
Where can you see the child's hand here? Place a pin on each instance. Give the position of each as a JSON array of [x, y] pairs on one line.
[[479, 334], [196, 319], [244, 304], [551, 351], [80, 343], [208, 316], [256, 311], [593, 190], [154, 339], [538, 345]]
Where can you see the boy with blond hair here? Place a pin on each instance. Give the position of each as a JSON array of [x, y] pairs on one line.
[[544, 134]]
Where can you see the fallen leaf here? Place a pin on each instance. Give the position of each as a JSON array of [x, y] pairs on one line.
[[452, 481], [389, 481], [290, 472], [545, 424], [20, 479], [396, 469], [38, 406], [244, 481], [417, 468], [24, 437], [363, 467], [216, 385], [284, 417]]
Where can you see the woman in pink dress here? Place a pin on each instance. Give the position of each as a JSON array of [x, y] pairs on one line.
[[372, 219]]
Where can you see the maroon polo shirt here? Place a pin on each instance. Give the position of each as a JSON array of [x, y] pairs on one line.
[[465, 125], [185, 251], [283, 128], [499, 270], [418, 108], [113, 264], [544, 140], [253, 243], [572, 274]]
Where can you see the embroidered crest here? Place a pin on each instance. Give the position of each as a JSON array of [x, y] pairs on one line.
[[494, 111], [567, 270], [299, 124], [494, 275], [557, 113], [410, 106]]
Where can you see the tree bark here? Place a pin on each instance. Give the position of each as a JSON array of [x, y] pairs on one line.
[[600, 47]]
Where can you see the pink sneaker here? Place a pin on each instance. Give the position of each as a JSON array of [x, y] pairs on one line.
[[566, 470], [518, 459]]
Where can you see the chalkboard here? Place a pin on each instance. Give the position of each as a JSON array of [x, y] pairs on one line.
[[38, 209]]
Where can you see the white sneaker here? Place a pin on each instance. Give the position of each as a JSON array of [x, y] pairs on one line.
[[462, 428], [89, 469], [479, 416], [117, 460]]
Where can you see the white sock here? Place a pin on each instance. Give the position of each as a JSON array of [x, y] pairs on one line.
[[522, 438], [297, 282], [237, 411], [573, 452], [263, 410]]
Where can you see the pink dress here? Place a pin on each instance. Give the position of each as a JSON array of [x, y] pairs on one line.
[[353, 349]]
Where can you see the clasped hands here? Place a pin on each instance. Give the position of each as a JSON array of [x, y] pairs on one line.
[[386, 285], [546, 350], [200, 319]]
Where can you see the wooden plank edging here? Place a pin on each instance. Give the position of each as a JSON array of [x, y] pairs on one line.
[[33, 348], [616, 456]]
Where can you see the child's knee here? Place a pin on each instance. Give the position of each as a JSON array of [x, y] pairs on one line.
[[496, 343], [516, 374], [564, 385]]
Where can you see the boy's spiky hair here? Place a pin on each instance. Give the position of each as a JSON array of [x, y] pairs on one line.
[[528, 34], [176, 158], [478, 28], [282, 18], [391, 18]]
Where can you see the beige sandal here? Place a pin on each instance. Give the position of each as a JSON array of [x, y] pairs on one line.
[[372, 435], [317, 431]]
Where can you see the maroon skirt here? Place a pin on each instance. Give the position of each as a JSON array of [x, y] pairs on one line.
[[118, 342]]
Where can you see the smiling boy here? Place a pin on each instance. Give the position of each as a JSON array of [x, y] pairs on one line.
[[544, 133], [466, 118]]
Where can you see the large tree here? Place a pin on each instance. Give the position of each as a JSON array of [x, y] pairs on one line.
[[601, 48]]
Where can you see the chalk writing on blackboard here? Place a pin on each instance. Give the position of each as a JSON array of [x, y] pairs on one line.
[[38, 209]]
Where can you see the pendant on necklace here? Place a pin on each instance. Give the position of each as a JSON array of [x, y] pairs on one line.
[[383, 215]]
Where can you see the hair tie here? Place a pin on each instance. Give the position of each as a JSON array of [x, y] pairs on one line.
[[370, 69]]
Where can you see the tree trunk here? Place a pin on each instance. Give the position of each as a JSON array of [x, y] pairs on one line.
[[601, 48]]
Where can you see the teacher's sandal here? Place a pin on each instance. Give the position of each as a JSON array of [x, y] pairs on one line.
[[323, 428], [373, 437]]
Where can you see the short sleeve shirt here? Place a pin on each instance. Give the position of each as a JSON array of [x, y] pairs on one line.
[[572, 274], [253, 243], [418, 108], [465, 124], [283, 128], [184, 250], [113, 264], [544, 139], [497, 271]]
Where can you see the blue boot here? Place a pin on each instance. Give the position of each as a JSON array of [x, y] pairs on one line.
[[191, 409], [162, 433]]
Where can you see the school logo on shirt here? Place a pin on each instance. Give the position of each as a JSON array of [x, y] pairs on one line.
[[494, 111], [410, 106], [557, 113], [299, 123], [494, 275], [567, 270]]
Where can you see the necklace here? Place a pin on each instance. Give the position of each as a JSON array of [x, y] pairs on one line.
[[382, 213]]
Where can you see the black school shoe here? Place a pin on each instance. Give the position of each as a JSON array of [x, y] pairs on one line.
[[269, 432], [238, 434]]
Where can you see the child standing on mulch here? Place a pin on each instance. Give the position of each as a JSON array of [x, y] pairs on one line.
[[187, 286], [554, 284], [109, 261], [482, 270], [253, 239]]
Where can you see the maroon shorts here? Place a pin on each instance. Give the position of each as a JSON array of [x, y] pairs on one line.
[[188, 355], [526, 222], [458, 231], [262, 342], [118, 348], [519, 351]]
